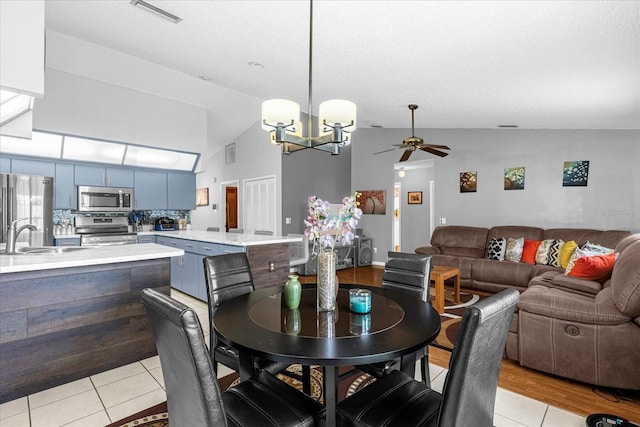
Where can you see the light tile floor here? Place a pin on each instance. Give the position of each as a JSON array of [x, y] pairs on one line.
[[104, 398]]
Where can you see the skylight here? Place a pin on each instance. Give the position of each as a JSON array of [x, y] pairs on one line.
[[67, 147]]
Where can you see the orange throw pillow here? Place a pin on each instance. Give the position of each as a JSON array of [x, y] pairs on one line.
[[529, 251], [596, 268]]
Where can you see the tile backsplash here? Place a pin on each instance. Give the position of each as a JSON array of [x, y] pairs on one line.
[[148, 217]]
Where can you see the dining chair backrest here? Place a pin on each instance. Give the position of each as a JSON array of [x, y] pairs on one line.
[[408, 272], [193, 393], [213, 228], [469, 391], [263, 232], [194, 397], [226, 276]]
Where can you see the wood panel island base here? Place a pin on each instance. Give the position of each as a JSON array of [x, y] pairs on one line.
[[62, 324]]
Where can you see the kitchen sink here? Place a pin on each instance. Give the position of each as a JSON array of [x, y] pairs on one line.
[[48, 250]]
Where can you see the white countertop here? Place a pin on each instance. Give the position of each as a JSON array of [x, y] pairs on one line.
[[236, 239], [85, 257]]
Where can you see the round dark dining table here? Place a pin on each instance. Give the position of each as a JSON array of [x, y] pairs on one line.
[[259, 324]]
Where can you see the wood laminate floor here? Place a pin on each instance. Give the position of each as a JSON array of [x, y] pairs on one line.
[[573, 396]]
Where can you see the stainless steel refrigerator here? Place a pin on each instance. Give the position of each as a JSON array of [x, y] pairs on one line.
[[27, 198]]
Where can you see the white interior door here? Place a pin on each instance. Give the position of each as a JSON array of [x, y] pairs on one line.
[[259, 204]]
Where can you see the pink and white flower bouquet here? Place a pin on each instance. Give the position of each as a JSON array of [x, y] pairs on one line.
[[326, 230]]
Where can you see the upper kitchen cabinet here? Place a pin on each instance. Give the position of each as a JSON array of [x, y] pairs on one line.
[[150, 190], [64, 188], [181, 191], [33, 167], [5, 165], [103, 177]]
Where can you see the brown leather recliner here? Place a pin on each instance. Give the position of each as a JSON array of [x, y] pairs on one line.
[[589, 338]]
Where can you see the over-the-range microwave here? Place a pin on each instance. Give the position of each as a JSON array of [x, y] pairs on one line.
[[104, 199]]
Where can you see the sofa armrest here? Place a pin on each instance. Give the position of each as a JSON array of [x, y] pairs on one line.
[[558, 304], [428, 250]]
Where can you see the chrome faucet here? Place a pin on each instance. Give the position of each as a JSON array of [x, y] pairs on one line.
[[14, 232]]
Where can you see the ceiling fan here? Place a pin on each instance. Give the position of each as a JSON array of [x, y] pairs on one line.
[[413, 143]]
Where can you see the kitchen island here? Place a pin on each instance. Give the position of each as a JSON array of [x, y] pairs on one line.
[[268, 256], [70, 315]]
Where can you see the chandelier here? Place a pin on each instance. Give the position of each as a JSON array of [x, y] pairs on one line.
[[336, 118]]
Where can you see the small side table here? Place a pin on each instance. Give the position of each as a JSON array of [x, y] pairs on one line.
[[440, 273]]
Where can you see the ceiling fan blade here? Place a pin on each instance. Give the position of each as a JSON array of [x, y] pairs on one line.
[[384, 151], [436, 152], [440, 147], [405, 155]]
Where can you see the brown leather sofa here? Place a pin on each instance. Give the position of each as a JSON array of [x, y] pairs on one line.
[[575, 328], [466, 248], [591, 338]]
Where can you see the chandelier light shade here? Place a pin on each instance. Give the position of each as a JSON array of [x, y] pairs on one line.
[[280, 112], [336, 118], [337, 112]]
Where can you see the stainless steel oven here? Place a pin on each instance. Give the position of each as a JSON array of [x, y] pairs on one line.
[[104, 199], [104, 231]]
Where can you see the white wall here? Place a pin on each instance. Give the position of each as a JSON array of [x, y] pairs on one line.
[[610, 201], [414, 218], [22, 46], [255, 157], [82, 106]]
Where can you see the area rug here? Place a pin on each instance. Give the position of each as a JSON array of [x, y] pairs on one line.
[[157, 416], [452, 317]]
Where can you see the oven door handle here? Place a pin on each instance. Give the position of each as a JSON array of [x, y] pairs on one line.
[[110, 243]]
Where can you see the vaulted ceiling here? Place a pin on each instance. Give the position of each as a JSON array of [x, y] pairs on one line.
[[468, 64]]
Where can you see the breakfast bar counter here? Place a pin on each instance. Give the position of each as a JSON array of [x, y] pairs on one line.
[[85, 257], [66, 316]]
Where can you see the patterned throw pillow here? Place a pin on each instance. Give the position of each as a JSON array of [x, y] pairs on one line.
[[542, 255], [566, 251], [596, 249], [553, 257], [514, 249], [496, 248]]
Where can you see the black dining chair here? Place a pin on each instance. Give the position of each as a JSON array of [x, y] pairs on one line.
[[469, 392], [194, 397], [228, 276], [409, 273]]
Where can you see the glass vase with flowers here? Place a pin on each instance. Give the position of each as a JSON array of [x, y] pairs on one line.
[[326, 230]]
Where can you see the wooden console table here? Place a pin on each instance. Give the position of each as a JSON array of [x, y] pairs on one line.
[[440, 273]]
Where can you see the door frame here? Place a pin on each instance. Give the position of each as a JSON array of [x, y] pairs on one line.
[[223, 198]]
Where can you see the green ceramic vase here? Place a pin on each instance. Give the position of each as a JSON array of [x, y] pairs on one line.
[[292, 292]]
